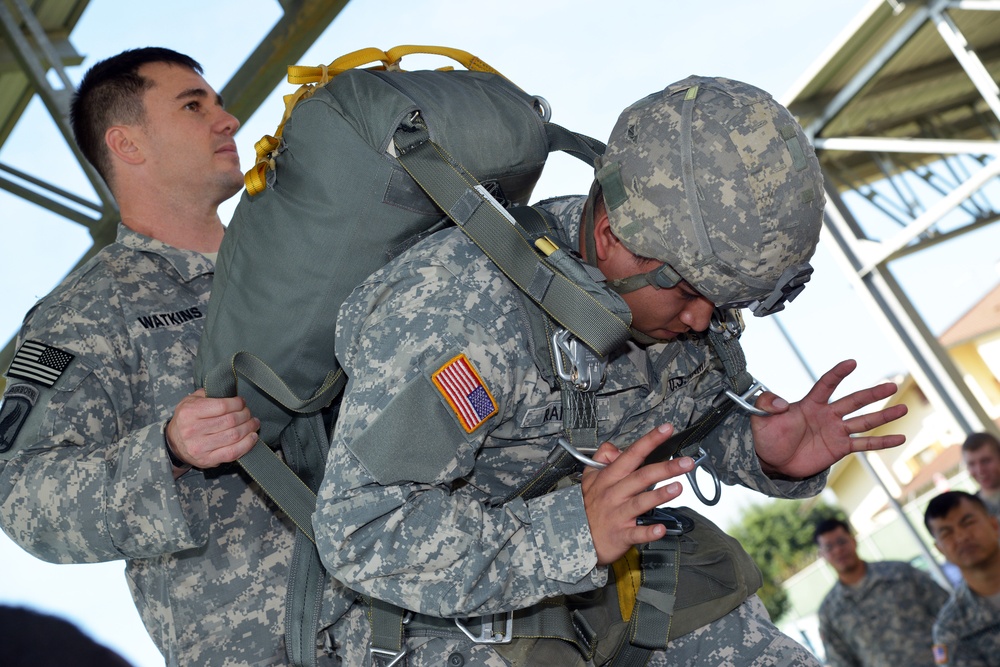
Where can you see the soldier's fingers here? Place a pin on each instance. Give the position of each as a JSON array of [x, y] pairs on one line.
[[861, 398], [606, 453], [828, 383], [635, 454], [655, 497], [639, 481], [203, 407], [867, 422]]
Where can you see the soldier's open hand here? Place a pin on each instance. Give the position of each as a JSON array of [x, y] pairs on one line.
[[615, 496], [807, 437]]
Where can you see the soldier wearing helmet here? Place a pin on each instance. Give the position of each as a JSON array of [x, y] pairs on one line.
[[708, 196]]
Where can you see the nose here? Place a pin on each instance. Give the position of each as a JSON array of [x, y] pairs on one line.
[[227, 122], [698, 313]]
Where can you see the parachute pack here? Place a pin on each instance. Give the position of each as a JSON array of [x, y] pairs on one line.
[[365, 163]]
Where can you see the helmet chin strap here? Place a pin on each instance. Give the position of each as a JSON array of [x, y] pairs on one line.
[[661, 277]]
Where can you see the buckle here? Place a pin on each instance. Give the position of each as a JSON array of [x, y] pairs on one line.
[[486, 634], [586, 370], [790, 284], [380, 653], [706, 465], [755, 390]]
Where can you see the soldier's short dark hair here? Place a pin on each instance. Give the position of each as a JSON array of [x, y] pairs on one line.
[[977, 441], [941, 505], [111, 94], [827, 525]]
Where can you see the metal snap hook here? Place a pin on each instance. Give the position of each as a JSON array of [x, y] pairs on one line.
[[706, 465], [755, 390]]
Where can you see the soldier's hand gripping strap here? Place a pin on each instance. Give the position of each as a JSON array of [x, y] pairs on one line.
[[280, 483], [669, 588]]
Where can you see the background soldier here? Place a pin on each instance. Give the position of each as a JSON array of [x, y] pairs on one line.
[[877, 614], [981, 453], [967, 631]]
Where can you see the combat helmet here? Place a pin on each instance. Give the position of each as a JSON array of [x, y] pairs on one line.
[[717, 180]]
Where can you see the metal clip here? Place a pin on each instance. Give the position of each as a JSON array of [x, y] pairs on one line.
[[486, 634], [580, 456], [755, 390], [706, 465], [392, 656], [727, 321], [586, 370]]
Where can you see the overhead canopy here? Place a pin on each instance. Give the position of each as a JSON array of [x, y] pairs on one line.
[[897, 72]]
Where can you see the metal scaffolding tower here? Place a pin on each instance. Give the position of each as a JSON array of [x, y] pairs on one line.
[[905, 116]]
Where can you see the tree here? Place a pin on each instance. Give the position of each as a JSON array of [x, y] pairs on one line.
[[778, 535]]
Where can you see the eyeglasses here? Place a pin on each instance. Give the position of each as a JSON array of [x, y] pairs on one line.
[[834, 544]]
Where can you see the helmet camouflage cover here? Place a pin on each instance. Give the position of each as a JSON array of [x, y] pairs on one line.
[[716, 179]]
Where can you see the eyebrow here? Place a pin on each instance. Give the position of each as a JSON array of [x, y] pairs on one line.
[[199, 93]]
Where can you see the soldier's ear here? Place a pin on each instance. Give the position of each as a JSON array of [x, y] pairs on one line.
[[123, 142], [605, 241]]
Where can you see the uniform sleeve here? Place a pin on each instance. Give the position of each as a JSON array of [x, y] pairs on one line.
[[838, 652], [78, 484], [397, 517]]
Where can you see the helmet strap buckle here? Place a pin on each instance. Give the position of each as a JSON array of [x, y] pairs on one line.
[[790, 283]]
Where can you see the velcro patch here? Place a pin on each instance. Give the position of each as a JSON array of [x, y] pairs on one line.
[[38, 362], [17, 403], [465, 392], [940, 654]]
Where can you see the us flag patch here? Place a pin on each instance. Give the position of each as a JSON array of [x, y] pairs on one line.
[[465, 392], [39, 363], [940, 654]]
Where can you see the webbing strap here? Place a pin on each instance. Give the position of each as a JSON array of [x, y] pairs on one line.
[[303, 602], [652, 613], [223, 381], [282, 485], [545, 620], [386, 622], [490, 228], [266, 468], [685, 443], [578, 145]]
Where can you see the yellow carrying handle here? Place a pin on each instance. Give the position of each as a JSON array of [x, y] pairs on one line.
[[309, 78]]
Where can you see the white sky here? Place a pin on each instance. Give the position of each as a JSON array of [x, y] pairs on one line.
[[589, 59]]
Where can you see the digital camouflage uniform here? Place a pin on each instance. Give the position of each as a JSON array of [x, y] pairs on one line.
[[967, 631], [408, 509], [88, 478], [883, 621]]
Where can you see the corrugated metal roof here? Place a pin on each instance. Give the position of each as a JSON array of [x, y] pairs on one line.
[[919, 91]]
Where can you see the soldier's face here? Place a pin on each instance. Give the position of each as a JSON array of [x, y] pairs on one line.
[[984, 467], [663, 313], [187, 135], [839, 549], [967, 536]]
